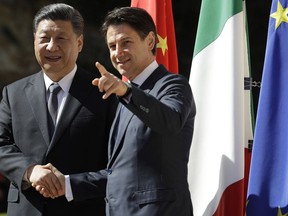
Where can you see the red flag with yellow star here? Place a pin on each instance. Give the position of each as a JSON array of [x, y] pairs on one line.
[[161, 12]]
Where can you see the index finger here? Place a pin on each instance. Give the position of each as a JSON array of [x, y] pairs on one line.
[[101, 69]]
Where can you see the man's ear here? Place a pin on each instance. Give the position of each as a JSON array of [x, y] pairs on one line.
[[151, 39], [80, 43]]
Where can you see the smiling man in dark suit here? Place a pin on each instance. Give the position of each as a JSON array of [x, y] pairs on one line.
[[29, 138], [152, 132]]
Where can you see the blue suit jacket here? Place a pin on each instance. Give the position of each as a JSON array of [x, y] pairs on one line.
[[147, 170]]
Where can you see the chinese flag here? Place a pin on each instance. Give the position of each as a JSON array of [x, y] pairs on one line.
[[161, 12]]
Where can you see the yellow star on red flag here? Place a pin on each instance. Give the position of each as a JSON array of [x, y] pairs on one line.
[[162, 44]]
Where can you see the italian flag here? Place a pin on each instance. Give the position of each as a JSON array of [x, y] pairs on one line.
[[219, 157], [162, 14]]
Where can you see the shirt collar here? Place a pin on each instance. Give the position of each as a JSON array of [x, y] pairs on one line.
[[140, 79], [64, 83]]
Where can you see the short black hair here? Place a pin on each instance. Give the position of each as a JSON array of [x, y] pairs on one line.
[[60, 11], [137, 18]]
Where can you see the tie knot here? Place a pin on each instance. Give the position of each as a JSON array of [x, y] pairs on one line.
[[54, 88]]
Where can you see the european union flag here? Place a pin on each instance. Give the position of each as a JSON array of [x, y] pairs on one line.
[[268, 182]]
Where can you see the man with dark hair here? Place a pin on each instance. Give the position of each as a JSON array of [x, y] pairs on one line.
[[39, 126], [151, 135]]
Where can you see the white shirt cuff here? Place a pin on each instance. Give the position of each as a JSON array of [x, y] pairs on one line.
[[68, 189]]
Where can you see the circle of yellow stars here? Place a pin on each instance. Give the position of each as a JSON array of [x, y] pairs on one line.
[[281, 15]]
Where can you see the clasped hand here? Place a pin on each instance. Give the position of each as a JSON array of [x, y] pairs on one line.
[[47, 180]]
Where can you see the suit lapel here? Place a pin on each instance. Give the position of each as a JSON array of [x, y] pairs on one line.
[[114, 150], [36, 95], [149, 83], [147, 86], [79, 90], [112, 131], [70, 109], [126, 116]]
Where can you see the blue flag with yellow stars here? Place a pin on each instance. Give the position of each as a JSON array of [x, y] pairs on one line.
[[268, 182]]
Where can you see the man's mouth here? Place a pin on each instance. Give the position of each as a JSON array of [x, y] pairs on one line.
[[53, 58]]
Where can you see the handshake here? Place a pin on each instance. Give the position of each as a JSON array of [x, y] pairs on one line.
[[47, 180]]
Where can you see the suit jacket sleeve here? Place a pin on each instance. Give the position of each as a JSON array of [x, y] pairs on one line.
[[166, 107], [88, 185], [13, 163]]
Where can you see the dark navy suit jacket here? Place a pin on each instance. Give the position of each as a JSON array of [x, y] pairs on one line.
[[147, 170]]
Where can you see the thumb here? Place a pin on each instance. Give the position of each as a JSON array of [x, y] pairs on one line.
[[95, 82], [48, 166]]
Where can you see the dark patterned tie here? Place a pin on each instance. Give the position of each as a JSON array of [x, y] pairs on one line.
[[54, 89]]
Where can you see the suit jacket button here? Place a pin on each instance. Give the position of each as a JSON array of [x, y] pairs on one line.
[[109, 171]]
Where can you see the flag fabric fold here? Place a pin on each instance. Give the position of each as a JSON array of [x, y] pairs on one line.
[[268, 182], [162, 14], [223, 124]]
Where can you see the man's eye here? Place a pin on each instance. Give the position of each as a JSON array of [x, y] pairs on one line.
[[44, 38], [112, 47]]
